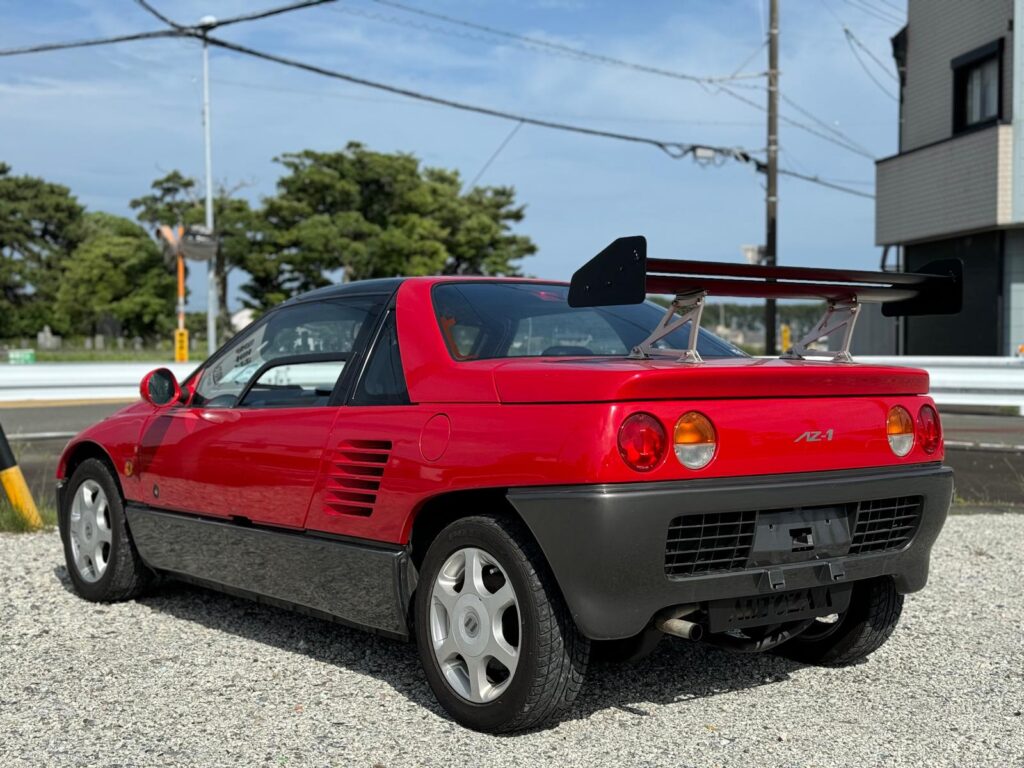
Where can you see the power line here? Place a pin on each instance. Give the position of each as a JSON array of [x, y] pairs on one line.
[[554, 115], [840, 141], [700, 152], [566, 49], [154, 12], [542, 46], [255, 16], [826, 183], [830, 128], [879, 14], [881, 65], [495, 154], [893, 6], [673, 149], [46, 47], [867, 70]]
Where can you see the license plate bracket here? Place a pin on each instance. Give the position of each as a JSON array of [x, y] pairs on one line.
[[799, 535], [777, 608]]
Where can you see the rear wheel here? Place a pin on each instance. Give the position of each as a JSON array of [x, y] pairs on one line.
[[497, 643], [848, 637], [102, 561]]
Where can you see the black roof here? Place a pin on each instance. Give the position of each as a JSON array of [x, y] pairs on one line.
[[382, 285]]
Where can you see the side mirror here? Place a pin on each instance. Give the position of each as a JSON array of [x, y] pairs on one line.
[[159, 388]]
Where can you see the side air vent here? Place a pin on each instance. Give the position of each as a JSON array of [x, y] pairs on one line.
[[357, 467]]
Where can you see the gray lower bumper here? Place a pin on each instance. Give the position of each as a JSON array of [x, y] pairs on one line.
[[606, 543]]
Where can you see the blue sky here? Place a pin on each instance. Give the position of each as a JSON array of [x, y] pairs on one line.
[[107, 121]]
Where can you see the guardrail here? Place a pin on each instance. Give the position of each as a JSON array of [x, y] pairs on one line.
[[980, 382], [977, 382], [78, 381]]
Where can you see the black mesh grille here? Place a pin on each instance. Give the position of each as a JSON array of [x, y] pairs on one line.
[[708, 543], [885, 524]]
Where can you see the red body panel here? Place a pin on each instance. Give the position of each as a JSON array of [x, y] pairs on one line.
[[365, 471], [258, 464]]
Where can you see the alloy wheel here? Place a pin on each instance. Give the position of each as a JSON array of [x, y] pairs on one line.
[[475, 626]]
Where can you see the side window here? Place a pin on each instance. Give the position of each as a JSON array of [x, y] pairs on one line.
[[383, 380], [311, 343]]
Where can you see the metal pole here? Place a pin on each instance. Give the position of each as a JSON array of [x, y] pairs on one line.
[[771, 188], [211, 300]]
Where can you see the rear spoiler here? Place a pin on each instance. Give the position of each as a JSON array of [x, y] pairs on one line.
[[622, 274]]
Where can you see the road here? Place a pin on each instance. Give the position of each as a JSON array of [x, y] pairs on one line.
[[187, 677], [986, 451]]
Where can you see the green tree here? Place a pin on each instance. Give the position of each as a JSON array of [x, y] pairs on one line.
[[376, 214], [40, 225], [116, 273]]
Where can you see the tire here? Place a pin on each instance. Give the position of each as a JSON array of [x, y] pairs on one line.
[[101, 558], [459, 626], [874, 611]]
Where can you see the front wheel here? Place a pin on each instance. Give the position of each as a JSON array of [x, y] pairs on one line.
[[496, 640], [846, 638], [102, 561]]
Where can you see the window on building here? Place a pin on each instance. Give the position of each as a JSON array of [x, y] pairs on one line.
[[977, 92]]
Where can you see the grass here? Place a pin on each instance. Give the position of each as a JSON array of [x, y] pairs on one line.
[[10, 522]]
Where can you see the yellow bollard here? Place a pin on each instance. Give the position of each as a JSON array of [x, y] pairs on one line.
[[14, 485]]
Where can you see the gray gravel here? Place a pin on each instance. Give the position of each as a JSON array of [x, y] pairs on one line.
[[189, 677]]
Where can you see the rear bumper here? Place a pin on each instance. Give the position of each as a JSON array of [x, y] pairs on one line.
[[607, 543]]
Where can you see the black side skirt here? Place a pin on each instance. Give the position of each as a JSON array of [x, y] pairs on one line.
[[364, 585]]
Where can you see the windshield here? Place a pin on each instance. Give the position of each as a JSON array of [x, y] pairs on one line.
[[481, 321]]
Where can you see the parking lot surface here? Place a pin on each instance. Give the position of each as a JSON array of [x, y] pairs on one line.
[[193, 678]]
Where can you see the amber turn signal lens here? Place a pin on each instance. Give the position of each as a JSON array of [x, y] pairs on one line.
[[899, 428], [929, 430], [694, 440], [642, 442]]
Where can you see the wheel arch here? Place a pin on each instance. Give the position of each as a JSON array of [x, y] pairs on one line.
[[437, 512], [81, 452]]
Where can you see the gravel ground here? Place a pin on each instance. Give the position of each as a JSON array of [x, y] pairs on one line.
[[192, 678]]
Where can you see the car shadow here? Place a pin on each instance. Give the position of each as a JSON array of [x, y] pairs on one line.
[[678, 671]]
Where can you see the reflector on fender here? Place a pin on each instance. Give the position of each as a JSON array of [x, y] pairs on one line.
[[695, 440]]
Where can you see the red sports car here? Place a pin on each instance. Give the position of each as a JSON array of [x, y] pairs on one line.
[[519, 474]]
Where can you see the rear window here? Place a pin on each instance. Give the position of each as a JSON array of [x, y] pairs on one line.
[[481, 321]]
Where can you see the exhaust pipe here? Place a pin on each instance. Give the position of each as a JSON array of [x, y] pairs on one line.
[[673, 623]]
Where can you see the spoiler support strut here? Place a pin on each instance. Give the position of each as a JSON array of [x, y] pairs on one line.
[[685, 308], [839, 315]]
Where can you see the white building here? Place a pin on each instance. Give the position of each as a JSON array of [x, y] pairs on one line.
[[956, 187]]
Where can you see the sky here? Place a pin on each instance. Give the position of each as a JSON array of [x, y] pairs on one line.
[[107, 121]]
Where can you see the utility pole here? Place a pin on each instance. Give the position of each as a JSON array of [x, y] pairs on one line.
[[772, 186], [211, 300]]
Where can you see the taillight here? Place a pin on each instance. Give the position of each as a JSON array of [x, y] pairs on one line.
[[694, 440], [929, 430], [642, 442], [899, 428]]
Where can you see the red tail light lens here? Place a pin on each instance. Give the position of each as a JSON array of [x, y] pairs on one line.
[[642, 442], [929, 431]]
